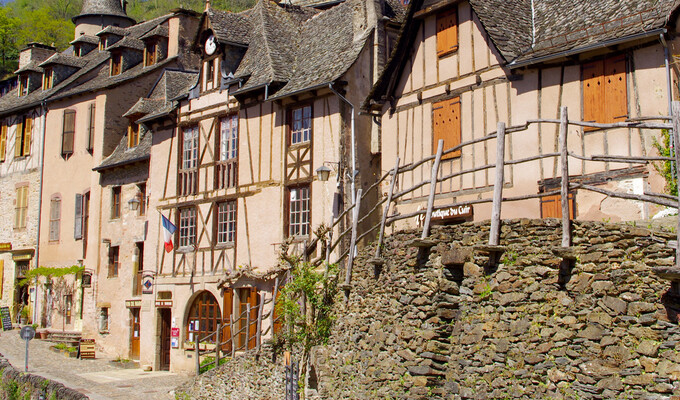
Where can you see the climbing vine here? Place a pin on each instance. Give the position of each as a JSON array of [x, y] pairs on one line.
[[50, 272], [665, 167]]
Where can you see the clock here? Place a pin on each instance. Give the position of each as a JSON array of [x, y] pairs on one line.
[[210, 45]]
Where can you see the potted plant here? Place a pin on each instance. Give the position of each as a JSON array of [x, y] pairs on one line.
[[23, 316]]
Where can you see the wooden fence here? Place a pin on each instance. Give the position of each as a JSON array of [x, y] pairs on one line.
[[497, 198]]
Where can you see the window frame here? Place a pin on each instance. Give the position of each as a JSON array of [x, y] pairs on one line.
[[21, 206], [602, 107], [116, 199], [116, 63], [186, 225], [68, 115], [23, 84], [291, 222], [187, 168], [449, 33], [92, 109], [452, 135], [23, 136], [141, 194], [226, 223], [305, 134], [55, 220], [226, 151], [200, 310], [151, 53], [133, 134], [114, 262], [4, 129], [48, 78]]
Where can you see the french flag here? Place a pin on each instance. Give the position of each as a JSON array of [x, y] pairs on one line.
[[168, 230]]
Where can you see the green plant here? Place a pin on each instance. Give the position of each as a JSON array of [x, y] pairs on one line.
[[24, 312], [665, 168], [50, 272], [11, 389], [64, 346], [510, 258], [208, 363]]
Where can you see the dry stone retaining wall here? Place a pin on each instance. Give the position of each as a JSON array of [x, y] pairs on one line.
[[15, 384], [441, 324]]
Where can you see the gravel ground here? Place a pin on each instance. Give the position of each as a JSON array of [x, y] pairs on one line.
[[98, 379]]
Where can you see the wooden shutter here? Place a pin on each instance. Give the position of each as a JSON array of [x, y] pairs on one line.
[[21, 207], [252, 300], [447, 32], [277, 324], [68, 132], [593, 92], [227, 309], [28, 129], [78, 223], [55, 217], [446, 125], [3, 140], [18, 135], [615, 93], [551, 206], [90, 129]]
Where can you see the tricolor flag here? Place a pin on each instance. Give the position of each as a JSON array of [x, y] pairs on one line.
[[168, 230]]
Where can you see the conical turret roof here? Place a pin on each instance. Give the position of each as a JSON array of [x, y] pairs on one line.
[[112, 8]]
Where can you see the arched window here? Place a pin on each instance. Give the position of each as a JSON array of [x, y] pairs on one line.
[[204, 316]]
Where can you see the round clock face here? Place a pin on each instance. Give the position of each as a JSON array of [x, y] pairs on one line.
[[210, 45]]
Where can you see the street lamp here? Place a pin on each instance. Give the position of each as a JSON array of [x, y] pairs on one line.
[[133, 203], [323, 173]]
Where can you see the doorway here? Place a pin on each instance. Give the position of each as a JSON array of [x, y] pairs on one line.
[[134, 333], [166, 324]]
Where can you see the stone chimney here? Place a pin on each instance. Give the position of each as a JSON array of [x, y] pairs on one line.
[[37, 52]]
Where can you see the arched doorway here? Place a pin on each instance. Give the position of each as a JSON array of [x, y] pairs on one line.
[[204, 316]]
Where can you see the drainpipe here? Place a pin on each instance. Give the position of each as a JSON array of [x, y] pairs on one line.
[[354, 156], [670, 93], [40, 192]]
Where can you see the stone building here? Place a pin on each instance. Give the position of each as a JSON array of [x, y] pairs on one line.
[[233, 160], [460, 67]]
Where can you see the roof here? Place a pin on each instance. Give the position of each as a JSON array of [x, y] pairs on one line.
[[115, 30], [228, 27], [86, 39], [32, 66], [554, 29], [293, 48], [160, 30], [122, 155], [63, 59], [102, 7], [128, 43]]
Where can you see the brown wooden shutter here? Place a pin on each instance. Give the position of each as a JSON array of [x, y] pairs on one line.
[[3, 141], [551, 206], [90, 130], [78, 223], [252, 300], [68, 132], [18, 135], [447, 32], [277, 324], [446, 125], [227, 309], [28, 130], [593, 92], [615, 94]]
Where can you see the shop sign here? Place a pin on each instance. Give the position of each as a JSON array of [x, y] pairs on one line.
[[133, 303], [22, 257], [446, 214], [147, 284], [163, 303], [5, 246]]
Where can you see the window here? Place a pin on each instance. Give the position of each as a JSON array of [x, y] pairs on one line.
[[226, 168], [55, 218], [141, 196], [551, 206], [3, 140], [77, 50], [226, 222], [116, 63], [21, 207], [446, 125], [68, 132], [48, 78], [447, 32], [22, 147], [115, 202], [299, 212], [86, 221], [139, 267], [68, 305], [187, 226], [301, 125], [150, 53], [104, 320], [187, 180], [605, 97], [210, 71], [133, 135], [23, 85], [90, 127], [204, 316], [114, 252]]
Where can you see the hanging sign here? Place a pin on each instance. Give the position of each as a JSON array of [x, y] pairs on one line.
[[147, 284], [5, 246], [451, 213], [133, 303]]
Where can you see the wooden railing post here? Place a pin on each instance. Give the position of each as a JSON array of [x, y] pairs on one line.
[[353, 242], [232, 334], [218, 345], [198, 356], [258, 326], [247, 328], [386, 211], [676, 140], [566, 221], [275, 292], [433, 189], [495, 232]]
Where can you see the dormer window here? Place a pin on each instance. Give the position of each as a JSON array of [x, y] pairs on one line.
[[133, 135], [23, 85], [151, 53], [102, 43], [76, 50], [116, 63], [48, 78]]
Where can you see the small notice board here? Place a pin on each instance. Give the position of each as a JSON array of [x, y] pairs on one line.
[[6, 319], [86, 349]]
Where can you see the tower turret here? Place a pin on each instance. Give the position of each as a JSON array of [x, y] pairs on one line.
[[98, 14]]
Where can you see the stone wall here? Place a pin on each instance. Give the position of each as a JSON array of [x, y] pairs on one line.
[[15, 384], [526, 329]]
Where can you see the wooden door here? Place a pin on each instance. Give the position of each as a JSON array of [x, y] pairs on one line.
[[227, 309], [134, 333], [166, 323]]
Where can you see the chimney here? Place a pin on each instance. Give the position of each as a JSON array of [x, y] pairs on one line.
[[37, 52]]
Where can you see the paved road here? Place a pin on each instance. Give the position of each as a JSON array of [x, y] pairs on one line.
[[97, 379]]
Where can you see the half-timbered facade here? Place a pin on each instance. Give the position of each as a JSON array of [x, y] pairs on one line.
[[233, 167], [461, 67]]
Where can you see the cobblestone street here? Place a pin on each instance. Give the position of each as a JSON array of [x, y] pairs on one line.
[[97, 379]]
